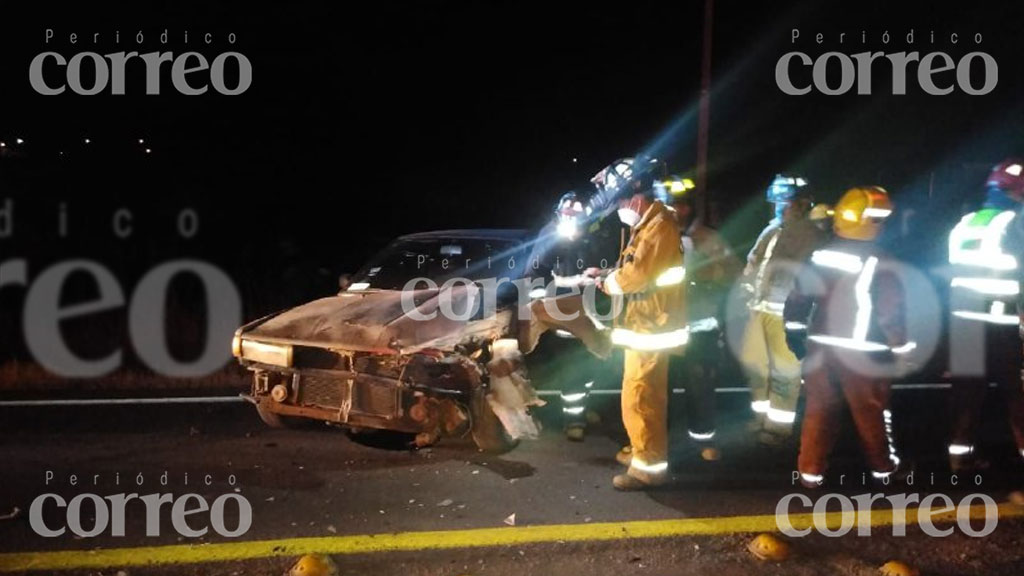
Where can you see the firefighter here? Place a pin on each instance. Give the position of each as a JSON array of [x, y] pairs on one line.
[[773, 371], [649, 277], [576, 239], [711, 268], [985, 248], [849, 304]]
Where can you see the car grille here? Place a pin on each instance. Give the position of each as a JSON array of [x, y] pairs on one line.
[[369, 395], [322, 391]]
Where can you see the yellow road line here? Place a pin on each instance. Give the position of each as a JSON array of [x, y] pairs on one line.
[[440, 540]]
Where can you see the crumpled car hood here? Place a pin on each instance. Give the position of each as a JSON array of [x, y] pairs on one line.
[[377, 321]]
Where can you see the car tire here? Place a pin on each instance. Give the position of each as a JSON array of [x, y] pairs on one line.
[[488, 432]]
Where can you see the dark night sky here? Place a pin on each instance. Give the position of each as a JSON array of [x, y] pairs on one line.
[[411, 116]]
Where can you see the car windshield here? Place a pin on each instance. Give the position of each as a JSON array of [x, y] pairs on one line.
[[440, 259]]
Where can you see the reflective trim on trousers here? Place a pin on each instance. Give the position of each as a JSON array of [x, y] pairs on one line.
[[702, 436], [887, 417], [812, 478], [574, 397], [781, 416], [962, 449], [652, 468], [760, 406]]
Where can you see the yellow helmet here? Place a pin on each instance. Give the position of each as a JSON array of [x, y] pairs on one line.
[[314, 565], [860, 212], [769, 547], [896, 568]]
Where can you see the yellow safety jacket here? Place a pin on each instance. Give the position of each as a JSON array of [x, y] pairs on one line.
[[650, 278]]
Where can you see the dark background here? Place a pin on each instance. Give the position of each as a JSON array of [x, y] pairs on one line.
[[368, 121]]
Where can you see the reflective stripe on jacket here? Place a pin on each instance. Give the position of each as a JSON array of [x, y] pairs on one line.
[[985, 286], [847, 297]]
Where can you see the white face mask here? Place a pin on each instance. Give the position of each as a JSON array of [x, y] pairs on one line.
[[628, 216]]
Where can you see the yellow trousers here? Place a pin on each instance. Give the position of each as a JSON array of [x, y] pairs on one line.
[[773, 372], [645, 404]]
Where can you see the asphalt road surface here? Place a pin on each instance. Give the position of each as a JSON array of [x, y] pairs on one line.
[[380, 507]]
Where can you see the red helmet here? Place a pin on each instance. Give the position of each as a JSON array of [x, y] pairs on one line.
[[1008, 176]]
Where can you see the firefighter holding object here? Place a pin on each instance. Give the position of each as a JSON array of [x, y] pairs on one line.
[[773, 371], [985, 249], [849, 303], [577, 238], [649, 277]]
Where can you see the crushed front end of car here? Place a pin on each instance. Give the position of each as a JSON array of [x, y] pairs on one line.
[[364, 360]]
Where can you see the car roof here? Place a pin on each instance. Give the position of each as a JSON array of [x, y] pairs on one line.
[[506, 234]]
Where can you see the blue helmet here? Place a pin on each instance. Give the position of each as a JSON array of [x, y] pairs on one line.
[[786, 189]]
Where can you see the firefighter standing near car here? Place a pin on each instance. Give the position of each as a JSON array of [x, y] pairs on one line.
[[773, 372], [848, 302], [576, 239], [985, 252], [649, 278], [711, 268]]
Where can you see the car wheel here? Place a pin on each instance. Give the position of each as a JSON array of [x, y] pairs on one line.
[[488, 432]]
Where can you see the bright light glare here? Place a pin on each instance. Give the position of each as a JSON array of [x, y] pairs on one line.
[[567, 228]]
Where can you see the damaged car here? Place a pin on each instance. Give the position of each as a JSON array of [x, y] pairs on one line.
[[415, 342]]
